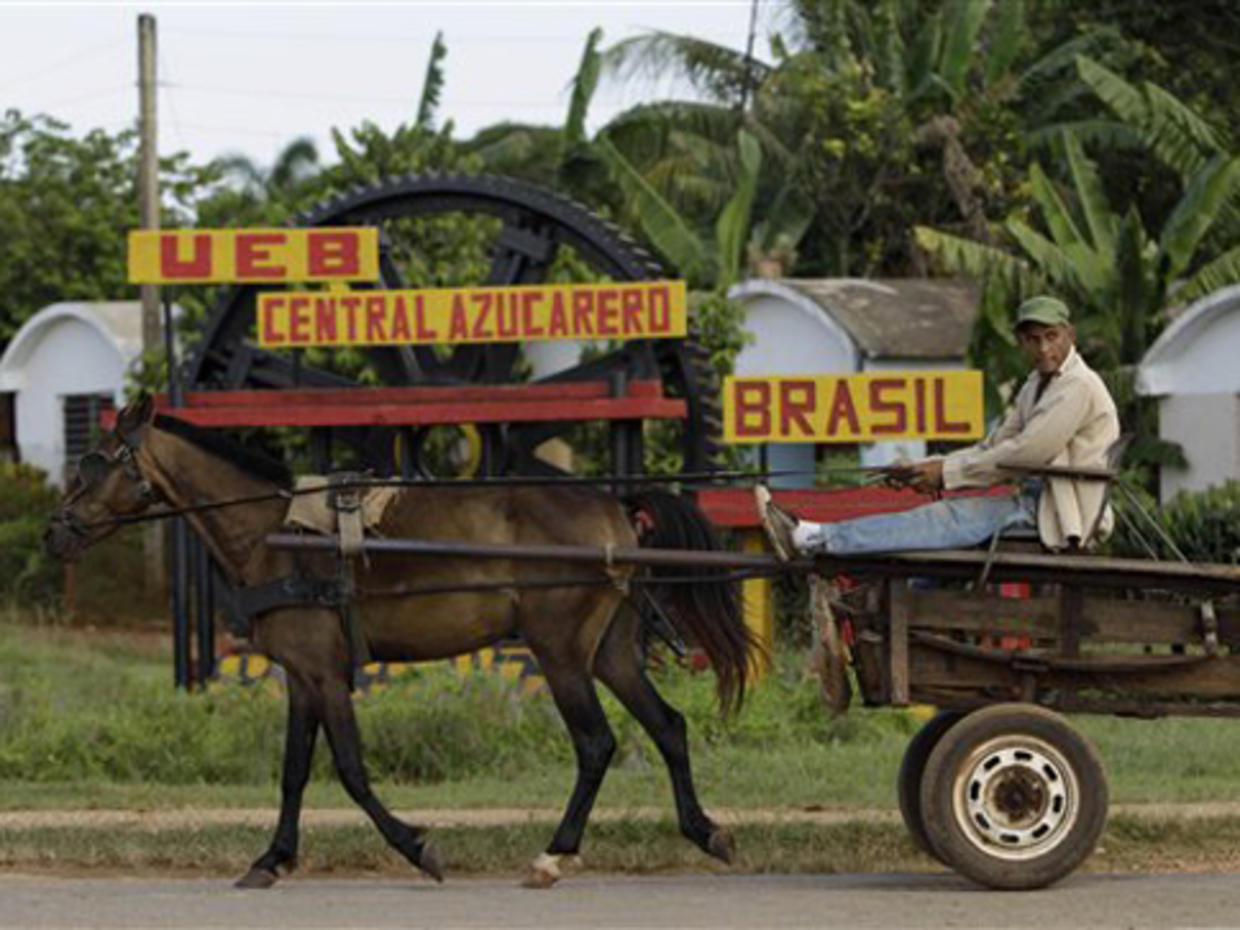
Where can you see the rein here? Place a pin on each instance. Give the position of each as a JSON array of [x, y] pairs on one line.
[[696, 479]]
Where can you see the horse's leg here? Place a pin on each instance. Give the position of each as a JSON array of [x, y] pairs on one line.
[[620, 666], [303, 727], [594, 744], [345, 739]]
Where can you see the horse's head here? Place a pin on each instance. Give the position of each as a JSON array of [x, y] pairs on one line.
[[107, 484]]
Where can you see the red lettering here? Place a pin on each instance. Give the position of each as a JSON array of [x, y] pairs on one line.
[[253, 250], [483, 302], [299, 320], [424, 331], [332, 254], [352, 306], [752, 408], [796, 399], [528, 299], [660, 310], [458, 329], [400, 320], [899, 422], [325, 319], [842, 407], [631, 302], [608, 301], [198, 265], [374, 319], [941, 423], [583, 306], [559, 319], [506, 314], [919, 394], [271, 335]]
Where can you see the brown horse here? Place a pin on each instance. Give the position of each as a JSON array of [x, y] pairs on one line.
[[577, 632]]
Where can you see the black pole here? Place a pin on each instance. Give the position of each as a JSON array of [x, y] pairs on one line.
[[206, 613], [179, 535]]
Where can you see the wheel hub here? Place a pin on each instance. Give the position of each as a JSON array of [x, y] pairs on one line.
[[1016, 797]]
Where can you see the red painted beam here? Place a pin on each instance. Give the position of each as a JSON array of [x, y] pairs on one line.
[[734, 507], [447, 394], [495, 411]]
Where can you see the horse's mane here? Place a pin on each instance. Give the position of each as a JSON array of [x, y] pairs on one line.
[[247, 459]]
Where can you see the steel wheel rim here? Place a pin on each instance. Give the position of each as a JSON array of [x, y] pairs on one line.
[[1016, 797]]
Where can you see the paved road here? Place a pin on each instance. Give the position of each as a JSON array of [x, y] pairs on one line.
[[683, 901]]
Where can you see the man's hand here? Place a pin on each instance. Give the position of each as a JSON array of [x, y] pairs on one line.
[[926, 477]]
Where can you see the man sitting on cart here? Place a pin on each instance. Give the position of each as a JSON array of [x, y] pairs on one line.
[[1063, 417]]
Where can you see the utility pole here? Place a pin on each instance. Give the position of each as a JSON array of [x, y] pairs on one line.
[[148, 218]]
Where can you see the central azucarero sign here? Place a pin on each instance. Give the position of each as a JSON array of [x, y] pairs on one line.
[[519, 313]]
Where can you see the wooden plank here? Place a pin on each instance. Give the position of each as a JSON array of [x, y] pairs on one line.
[[1085, 570], [495, 411], [1218, 677], [898, 619], [1103, 619]]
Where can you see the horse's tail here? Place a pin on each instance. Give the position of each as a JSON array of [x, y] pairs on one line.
[[706, 611]]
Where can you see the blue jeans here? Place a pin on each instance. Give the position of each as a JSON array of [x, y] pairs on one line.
[[953, 523]]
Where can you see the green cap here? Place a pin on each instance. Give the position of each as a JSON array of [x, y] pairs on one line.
[[1049, 311]]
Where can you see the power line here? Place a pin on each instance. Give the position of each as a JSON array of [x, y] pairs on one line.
[[58, 65]]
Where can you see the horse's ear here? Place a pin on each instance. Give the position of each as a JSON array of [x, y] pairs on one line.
[[134, 419]]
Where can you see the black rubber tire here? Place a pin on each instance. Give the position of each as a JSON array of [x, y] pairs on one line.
[[1015, 752], [913, 767]]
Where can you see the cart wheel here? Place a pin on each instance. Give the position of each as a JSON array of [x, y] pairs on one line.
[[1013, 797], [912, 767]]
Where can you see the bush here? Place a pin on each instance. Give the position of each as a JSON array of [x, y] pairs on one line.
[[27, 573], [1204, 525]]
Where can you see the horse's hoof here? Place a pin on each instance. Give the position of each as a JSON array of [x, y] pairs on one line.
[[428, 862], [721, 845], [257, 878], [544, 872]]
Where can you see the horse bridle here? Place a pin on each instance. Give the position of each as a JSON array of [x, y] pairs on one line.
[[90, 478]]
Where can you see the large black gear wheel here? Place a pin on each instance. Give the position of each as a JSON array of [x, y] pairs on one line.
[[528, 227]]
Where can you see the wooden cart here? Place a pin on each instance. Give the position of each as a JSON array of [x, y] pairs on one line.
[[998, 785]]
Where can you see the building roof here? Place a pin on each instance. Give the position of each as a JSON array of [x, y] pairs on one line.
[[1195, 354], [119, 322], [887, 318]]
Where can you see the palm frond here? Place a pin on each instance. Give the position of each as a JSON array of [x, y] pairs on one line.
[[585, 81], [1209, 191], [963, 23], [1058, 217], [957, 255], [1100, 133], [665, 228], [1053, 262], [1099, 216], [720, 72], [732, 227], [1009, 36], [432, 84], [1219, 273]]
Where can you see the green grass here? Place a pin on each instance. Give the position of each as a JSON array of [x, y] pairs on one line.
[[91, 720]]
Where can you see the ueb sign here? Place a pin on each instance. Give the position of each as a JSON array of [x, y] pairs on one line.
[[854, 408]]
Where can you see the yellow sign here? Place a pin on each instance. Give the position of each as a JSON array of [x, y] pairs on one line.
[[201, 256], [854, 408], [622, 310]]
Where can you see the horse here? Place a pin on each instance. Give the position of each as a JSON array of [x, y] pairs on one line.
[[577, 632]]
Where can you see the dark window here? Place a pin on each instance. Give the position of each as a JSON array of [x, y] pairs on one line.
[[8, 427], [82, 428]]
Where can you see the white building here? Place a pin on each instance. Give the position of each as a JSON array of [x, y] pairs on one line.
[[1192, 369], [852, 325], [65, 362]]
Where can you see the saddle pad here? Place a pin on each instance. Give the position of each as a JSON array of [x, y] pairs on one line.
[[311, 511]]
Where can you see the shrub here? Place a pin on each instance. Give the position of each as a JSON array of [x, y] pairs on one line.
[[27, 573], [1204, 525]]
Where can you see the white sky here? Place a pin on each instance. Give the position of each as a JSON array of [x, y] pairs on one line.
[[251, 77]]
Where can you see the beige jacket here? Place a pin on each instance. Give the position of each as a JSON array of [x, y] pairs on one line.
[[1073, 424]]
